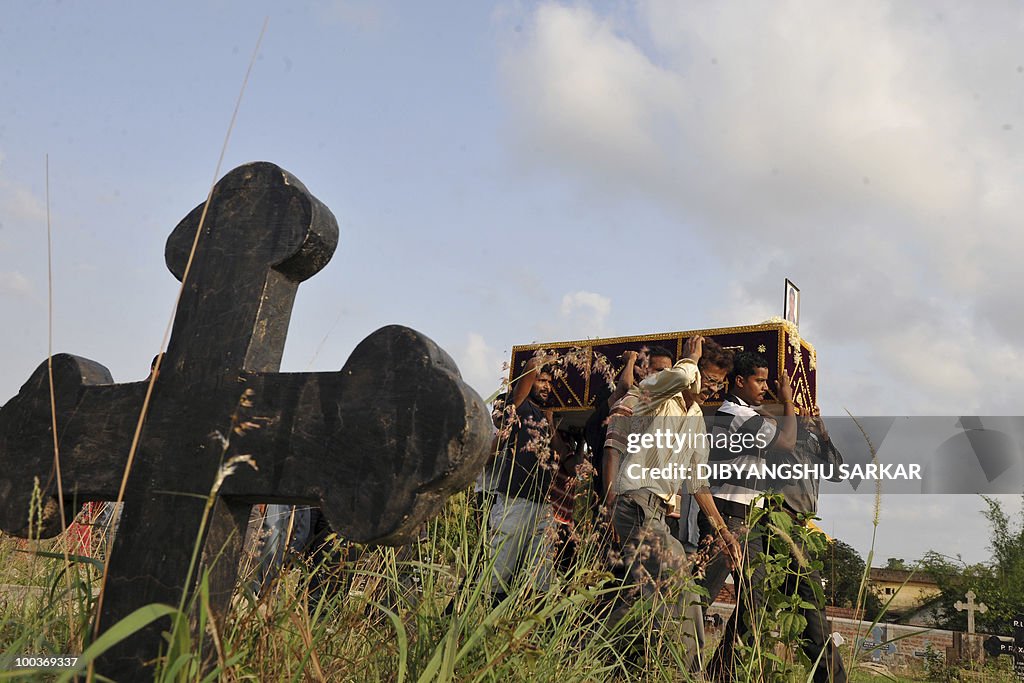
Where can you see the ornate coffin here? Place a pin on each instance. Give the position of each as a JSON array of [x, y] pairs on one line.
[[583, 367]]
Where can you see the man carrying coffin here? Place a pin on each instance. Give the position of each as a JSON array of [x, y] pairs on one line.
[[749, 438], [521, 515], [800, 496], [639, 493]]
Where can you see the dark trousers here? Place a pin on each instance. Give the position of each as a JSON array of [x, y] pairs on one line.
[[817, 635], [748, 582], [656, 570], [750, 604]]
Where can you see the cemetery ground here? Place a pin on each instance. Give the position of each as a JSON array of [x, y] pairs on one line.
[[387, 623]]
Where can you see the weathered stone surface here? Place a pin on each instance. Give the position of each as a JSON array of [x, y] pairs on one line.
[[379, 445]]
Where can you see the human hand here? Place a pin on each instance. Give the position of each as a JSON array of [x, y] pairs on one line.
[[533, 364], [726, 542], [785, 388], [694, 348]]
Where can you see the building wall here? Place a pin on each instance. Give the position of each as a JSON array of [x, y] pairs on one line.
[[907, 652], [906, 598]]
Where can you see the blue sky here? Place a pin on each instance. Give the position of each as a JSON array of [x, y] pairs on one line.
[[510, 172]]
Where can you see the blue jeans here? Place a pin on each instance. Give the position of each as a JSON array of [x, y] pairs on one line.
[[521, 539]]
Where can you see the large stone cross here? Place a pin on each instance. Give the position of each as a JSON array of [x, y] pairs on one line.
[[971, 608], [379, 445]]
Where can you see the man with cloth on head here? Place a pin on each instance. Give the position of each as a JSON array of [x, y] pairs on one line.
[[656, 440]]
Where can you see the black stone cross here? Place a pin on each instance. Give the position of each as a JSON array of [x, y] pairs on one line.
[[379, 445], [1018, 642], [997, 646]]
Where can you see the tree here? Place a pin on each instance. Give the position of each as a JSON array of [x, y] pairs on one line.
[[896, 563], [999, 583], [843, 573]]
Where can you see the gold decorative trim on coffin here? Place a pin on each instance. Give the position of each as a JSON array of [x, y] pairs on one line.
[[574, 391]]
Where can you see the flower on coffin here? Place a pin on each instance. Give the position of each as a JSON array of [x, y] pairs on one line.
[[603, 367], [794, 338], [791, 331]]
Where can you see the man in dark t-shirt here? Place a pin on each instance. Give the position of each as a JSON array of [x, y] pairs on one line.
[[521, 514]]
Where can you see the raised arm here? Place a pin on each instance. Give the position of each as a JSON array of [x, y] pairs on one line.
[[610, 472], [619, 427], [683, 376], [524, 383], [786, 440], [625, 382]]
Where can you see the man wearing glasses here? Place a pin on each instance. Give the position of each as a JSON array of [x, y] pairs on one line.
[[715, 364], [653, 448]]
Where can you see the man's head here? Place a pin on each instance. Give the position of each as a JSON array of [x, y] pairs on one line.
[[659, 358], [715, 365], [541, 386], [749, 377]]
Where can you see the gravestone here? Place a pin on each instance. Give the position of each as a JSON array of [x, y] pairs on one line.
[[970, 607], [1018, 650], [878, 645], [379, 445], [997, 646]]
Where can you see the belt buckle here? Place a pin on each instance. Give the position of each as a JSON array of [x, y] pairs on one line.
[[672, 505]]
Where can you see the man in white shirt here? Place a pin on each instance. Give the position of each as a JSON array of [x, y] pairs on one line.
[[656, 440]]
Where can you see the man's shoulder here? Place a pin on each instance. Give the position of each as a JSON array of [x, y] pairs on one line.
[[528, 407], [735, 408], [626, 404]]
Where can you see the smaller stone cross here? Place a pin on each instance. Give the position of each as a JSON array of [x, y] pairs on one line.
[[878, 645], [971, 608]]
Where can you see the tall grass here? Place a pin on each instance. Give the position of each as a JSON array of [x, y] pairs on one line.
[[388, 622], [417, 613]]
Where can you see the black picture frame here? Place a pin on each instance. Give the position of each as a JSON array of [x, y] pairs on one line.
[[791, 303]]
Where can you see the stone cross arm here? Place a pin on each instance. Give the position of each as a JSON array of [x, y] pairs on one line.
[[95, 421], [379, 445]]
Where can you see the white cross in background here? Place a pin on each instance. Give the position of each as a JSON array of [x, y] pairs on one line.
[[971, 607]]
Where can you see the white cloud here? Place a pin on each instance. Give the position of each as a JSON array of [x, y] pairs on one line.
[[21, 212], [481, 365], [19, 205], [869, 151], [14, 283], [586, 313]]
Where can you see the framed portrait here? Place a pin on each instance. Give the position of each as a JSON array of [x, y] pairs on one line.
[[791, 308]]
